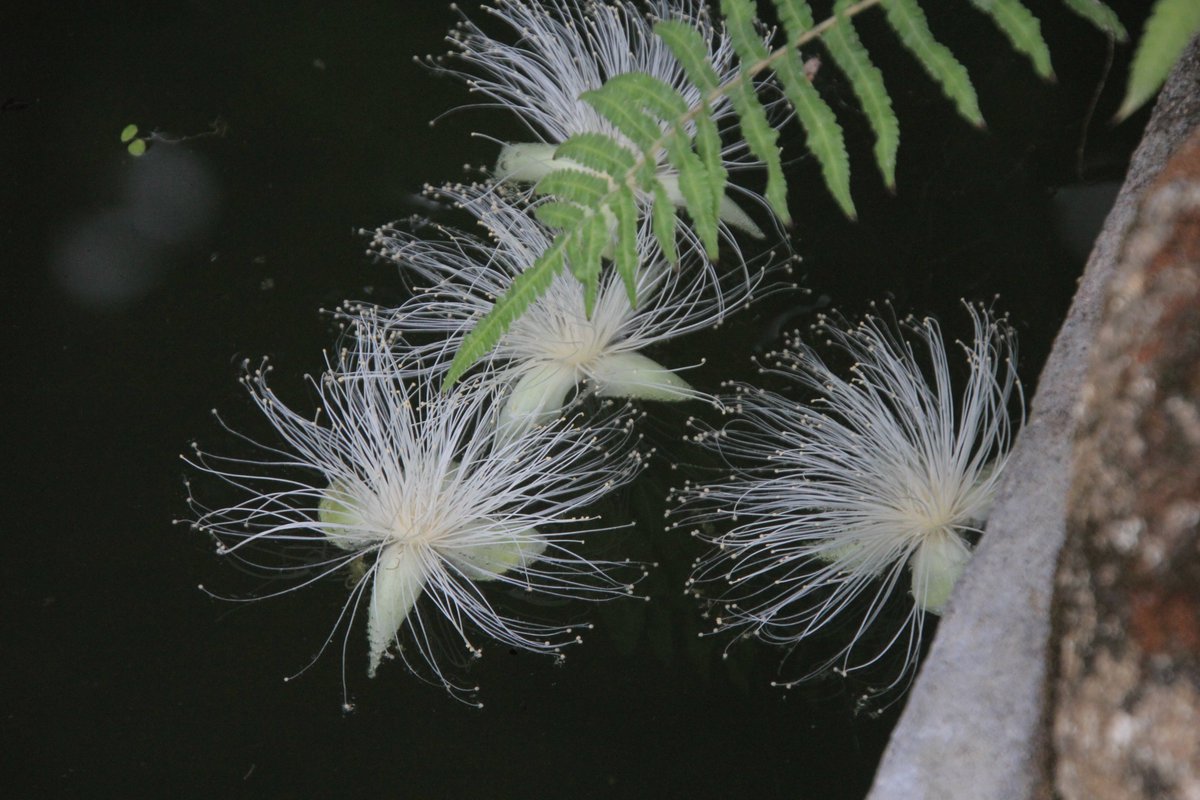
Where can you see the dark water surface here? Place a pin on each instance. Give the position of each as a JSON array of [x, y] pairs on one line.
[[141, 284]]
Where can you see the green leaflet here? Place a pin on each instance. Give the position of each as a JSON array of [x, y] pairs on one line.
[[1099, 15], [694, 187], [740, 16], [613, 103], [593, 200], [1022, 29], [824, 135], [557, 214], [625, 258], [599, 152], [671, 107], [762, 140], [908, 21], [585, 248], [1171, 25], [662, 220], [708, 145], [867, 82], [689, 49], [761, 137], [526, 287], [574, 185], [644, 92], [796, 16]]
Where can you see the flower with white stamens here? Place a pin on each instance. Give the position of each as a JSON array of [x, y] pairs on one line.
[[412, 486], [567, 47], [834, 500], [554, 348]]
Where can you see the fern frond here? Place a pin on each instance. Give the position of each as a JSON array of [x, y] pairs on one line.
[[614, 105], [696, 188], [643, 107], [660, 148]]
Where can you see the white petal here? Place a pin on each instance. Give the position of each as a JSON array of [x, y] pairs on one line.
[[495, 552], [936, 565], [531, 161], [525, 163], [732, 215], [399, 579], [537, 397], [634, 375]]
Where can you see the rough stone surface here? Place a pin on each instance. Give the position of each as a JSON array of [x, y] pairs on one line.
[[1126, 688], [974, 724]]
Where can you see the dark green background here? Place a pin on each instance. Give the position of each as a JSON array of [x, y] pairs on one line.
[[122, 679]]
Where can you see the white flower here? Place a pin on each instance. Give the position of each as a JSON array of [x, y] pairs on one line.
[[411, 486], [567, 47], [833, 499], [554, 348]]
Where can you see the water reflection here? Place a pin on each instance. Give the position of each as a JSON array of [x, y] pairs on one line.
[[115, 256]]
